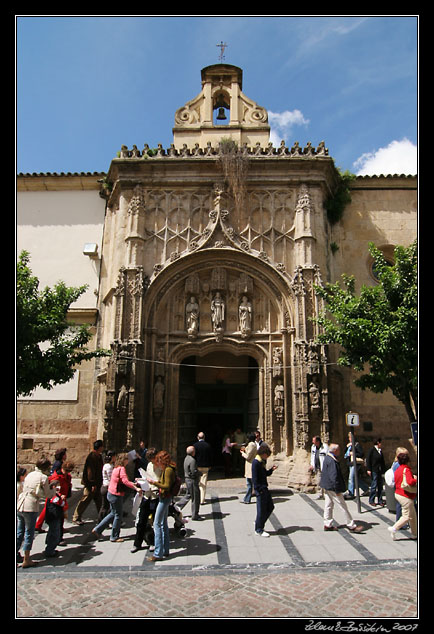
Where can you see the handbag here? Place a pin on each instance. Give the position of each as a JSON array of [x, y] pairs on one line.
[[389, 476], [407, 487]]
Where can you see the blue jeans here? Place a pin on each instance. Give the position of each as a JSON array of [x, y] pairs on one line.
[[115, 516], [351, 483], [161, 528], [249, 491], [376, 487], [26, 522]]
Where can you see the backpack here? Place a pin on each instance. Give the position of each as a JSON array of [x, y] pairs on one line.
[[53, 512], [176, 485]]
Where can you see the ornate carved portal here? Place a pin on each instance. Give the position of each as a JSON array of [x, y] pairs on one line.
[[218, 295]]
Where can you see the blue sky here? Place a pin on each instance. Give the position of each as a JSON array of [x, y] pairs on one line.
[[88, 84]]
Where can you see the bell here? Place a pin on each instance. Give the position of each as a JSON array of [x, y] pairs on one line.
[[221, 114]]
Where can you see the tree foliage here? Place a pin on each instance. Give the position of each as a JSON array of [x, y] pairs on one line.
[[48, 346], [377, 330]]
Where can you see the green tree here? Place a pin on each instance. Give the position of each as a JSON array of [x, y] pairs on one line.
[[377, 330], [48, 346]]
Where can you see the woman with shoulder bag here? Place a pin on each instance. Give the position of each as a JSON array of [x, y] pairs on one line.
[[405, 494], [161, 528], [36, 487], [119, 483]]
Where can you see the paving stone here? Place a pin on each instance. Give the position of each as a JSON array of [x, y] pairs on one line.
[[223, 570]]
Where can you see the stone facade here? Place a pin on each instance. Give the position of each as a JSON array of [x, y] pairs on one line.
[[207, 287]]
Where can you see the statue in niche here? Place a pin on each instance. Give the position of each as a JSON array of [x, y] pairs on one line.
[[313, 359], [192, 315], [159, 395], [245, 315], [122, 360], [277, 362], [217, 312], [122, 399], [314, 396], [279, 398]]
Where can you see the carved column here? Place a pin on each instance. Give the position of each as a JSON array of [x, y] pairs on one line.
[[124, 415]]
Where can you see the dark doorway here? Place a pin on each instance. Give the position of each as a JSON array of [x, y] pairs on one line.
[[227, 403]]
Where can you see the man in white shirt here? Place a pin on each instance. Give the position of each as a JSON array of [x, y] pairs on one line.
[[318, 452]]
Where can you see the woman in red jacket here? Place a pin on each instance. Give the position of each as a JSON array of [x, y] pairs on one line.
[[63, 476], [405, 497]]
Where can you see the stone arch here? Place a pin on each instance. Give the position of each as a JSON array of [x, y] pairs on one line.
[[165, 333]]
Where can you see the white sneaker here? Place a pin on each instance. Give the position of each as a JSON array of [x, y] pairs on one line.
[[393, 531], [263, 534]]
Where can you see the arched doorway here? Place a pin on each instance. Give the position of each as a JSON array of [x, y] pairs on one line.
[[218, 393]]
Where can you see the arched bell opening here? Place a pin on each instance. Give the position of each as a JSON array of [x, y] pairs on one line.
[[221, 108]]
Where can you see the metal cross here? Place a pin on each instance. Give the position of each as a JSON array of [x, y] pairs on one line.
[[222, 50]]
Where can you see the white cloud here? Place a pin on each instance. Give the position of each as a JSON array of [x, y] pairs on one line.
[[282, 124], [399, 157]]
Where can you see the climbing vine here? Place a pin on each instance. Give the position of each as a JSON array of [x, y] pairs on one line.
[[234, 164], [336, 203]]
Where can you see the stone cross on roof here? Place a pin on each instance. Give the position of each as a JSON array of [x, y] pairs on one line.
[[222, 50]]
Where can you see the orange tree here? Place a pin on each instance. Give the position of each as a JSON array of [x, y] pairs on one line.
[[48, 346], [377, 330]]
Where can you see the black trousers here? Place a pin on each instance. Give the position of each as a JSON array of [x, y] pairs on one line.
[[147, 506], [264, 508]]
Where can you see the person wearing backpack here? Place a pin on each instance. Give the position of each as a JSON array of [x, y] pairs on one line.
[[54, 513], [165, 484]]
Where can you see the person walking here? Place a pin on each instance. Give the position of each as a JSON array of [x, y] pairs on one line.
[[148, 503], [248, 453], [36, 487], [163, 461], [204, 461], [55, 510], [92, 481], [375, 467], [349, 456], [318, 452], [264, 501], [333, 484], [191, 475], [64, 478], [405, 494], [107, 470], [119, 483], [59, 459], [394, 467]]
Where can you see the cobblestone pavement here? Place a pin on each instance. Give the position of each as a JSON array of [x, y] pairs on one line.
[[221, 569]]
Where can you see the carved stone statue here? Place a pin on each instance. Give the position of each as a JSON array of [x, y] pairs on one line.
[[122, 398], [245, 315], [279, 398], [159, 395], [217, 312], [277, 362], [314, 396], [192, 316]]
